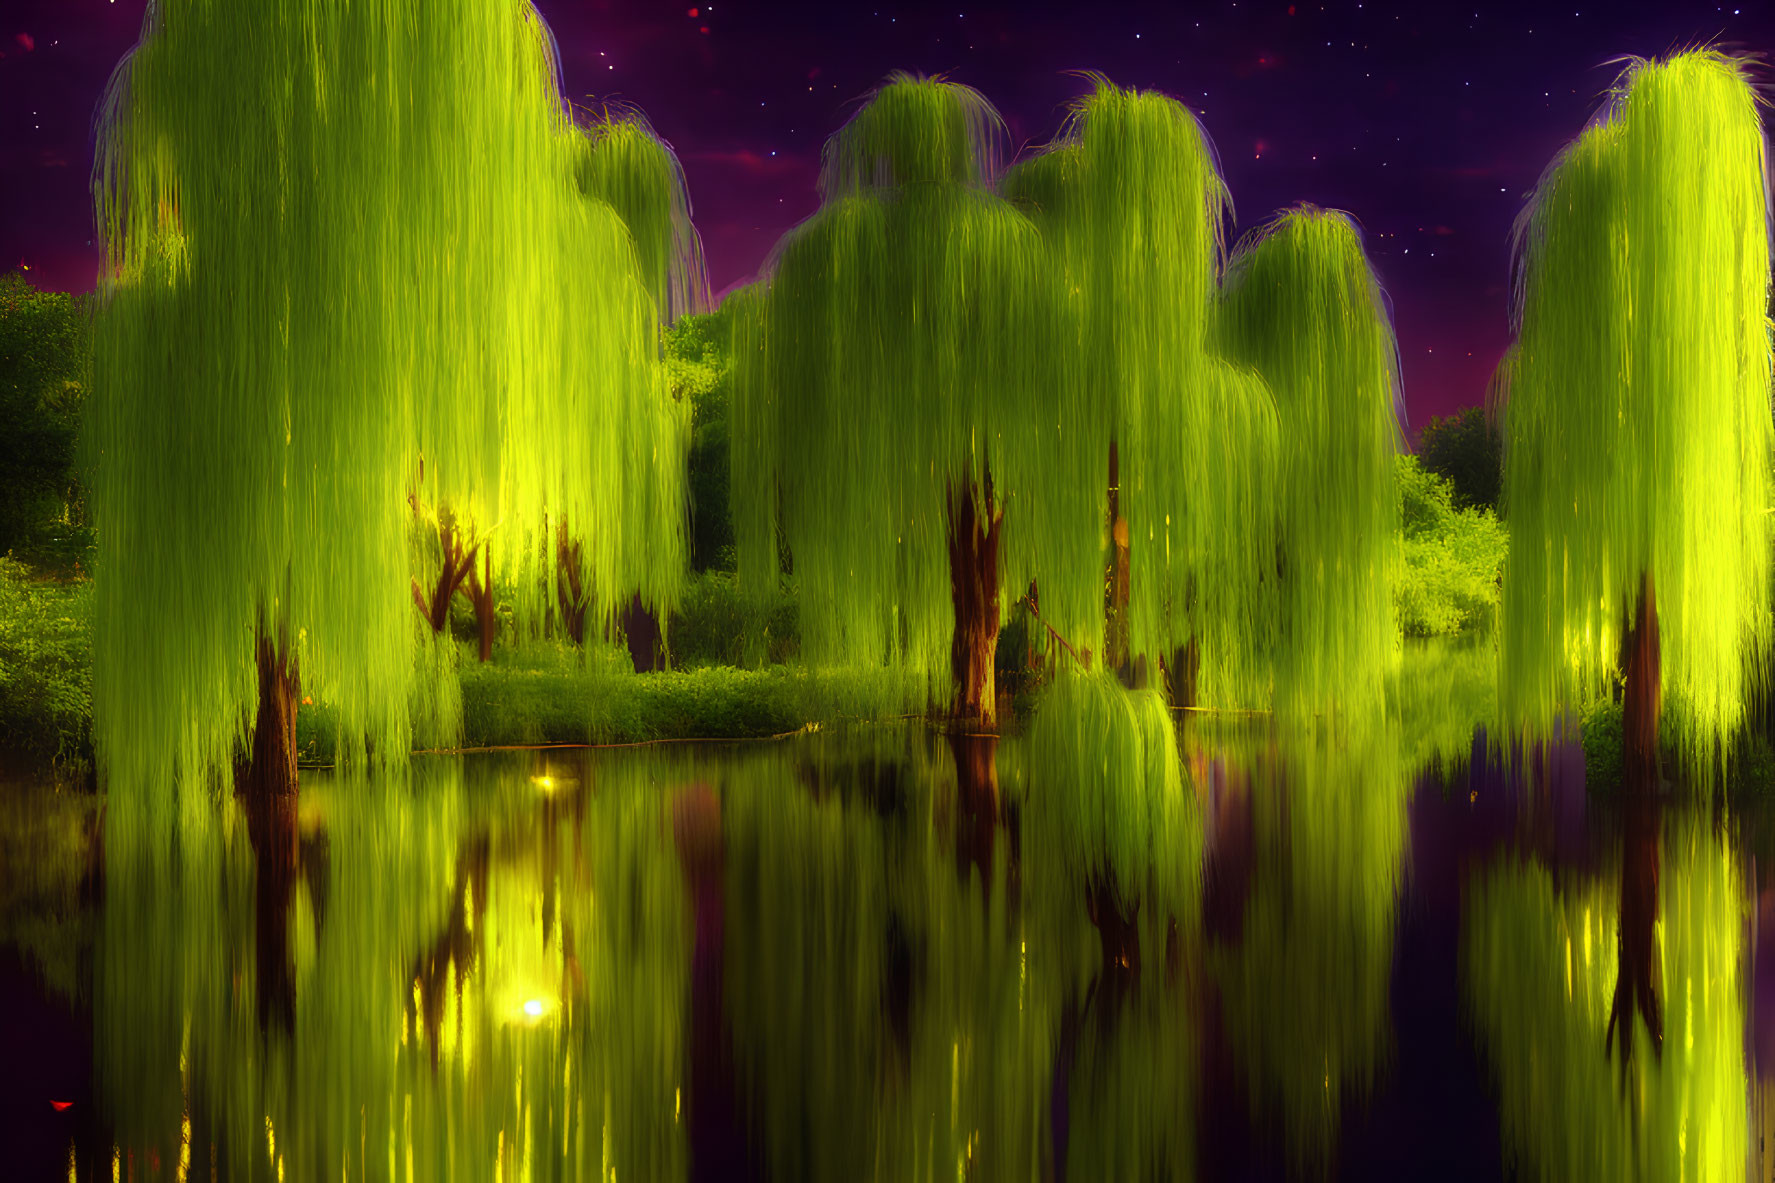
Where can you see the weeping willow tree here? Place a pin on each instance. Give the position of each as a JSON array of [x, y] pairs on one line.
[[1132, 206], [582, 505], [1301, 304], [1637, 418], [890, 404], [324, 266], [624, 165]]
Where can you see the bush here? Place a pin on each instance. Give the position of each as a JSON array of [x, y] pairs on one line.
[[45, 665], [697, 368], [43, 359], [1449, 577], [714, 625], [1468, 452], [1749, 771], [551, 696]]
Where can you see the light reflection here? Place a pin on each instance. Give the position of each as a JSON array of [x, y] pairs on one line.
[[876, 955]]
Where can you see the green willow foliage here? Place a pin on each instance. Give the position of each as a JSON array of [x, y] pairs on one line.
[[1301, 304], [626, 165], [593, 436], [1538, 967], [1132, 205], [889, 362], [1638, 434], [343, 239], [1450, 560], [1109, 805]]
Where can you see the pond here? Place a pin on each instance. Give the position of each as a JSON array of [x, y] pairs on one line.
[[850, 955]]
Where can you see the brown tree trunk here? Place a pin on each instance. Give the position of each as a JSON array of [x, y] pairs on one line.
[[457, 947], [1643, 696], [973, 588], [1186, 663], [1115, 594], [568, 592], [1118, 933], [480, 596], [270, 771], [456, 565], [640, 630]]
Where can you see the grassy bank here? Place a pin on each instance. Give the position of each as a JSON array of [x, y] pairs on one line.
[[549, 696]]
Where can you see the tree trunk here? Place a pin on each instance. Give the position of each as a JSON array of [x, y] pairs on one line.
[[456, 565], [568, 592], [456, 948], [1186, 663], [1643, 697], [480, 596], [1115, 593], [270, 771], [973, 588], [1117, 933], [640, 629], [1636, 974]]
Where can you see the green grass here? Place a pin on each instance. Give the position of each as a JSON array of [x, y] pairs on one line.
[[546, 694], [537, 694]]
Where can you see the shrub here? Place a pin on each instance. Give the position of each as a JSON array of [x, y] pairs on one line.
[[45, 665], [715, 625], [1449, 577]]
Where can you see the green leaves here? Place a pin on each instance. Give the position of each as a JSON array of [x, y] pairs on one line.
[[350, 244], [1637, 412], [1451, 558], [45, 664]]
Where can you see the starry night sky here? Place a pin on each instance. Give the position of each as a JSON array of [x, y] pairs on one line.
[[1429, 122]]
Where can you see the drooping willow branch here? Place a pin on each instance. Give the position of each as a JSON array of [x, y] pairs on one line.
[[1636, 406]]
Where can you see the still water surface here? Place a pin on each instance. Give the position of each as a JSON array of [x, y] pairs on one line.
[[844, 956]]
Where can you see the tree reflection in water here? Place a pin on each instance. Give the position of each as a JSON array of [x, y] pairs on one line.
[[1304, 986], [488, 978], [1547, 997]]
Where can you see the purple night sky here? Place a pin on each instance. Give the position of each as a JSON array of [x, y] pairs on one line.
[[1429, 122]]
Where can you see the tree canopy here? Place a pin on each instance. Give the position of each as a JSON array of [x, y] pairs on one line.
[[1132, 207], [1302, 306], [325, 268], [1637, 413], [1467, 449], [888, 370]]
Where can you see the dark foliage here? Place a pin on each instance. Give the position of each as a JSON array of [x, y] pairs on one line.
[[1467, 450], [43, 351]]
